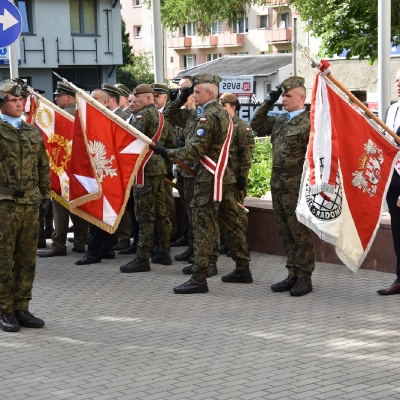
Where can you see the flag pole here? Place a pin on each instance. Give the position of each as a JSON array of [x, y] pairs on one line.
[[353, 98]]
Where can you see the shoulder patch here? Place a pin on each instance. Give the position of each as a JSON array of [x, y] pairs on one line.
[[200, 132], [248, 129], [138, 117], [203, 119]]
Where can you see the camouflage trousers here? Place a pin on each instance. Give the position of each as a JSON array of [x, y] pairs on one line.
[[296, 237], [208, 217], [149, 206], [19, 229], [188, 189], [240, 195]]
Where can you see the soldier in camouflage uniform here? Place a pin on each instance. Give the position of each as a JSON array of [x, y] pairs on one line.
[[289, 138], [184, 178], [240, 149], [149, 198], [24, 189], [208, 132]]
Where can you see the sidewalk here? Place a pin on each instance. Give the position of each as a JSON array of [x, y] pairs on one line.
[[110, 336]]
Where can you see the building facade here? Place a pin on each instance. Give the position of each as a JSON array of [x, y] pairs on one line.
[[264, 30], [78, 39]]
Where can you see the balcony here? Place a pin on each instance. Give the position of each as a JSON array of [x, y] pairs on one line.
[[278, 35], [230, 39], [209, 41], [181, 42]]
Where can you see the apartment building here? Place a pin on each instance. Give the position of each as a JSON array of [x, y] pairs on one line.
[[78, 39], [265, 30]]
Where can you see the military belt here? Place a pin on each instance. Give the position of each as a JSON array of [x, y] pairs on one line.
[[18, 194], [294, 170]]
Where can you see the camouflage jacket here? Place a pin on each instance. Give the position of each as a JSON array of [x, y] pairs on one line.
[[206, 135], [182, 121], [24, 164], [241, 148], [289, 145], [147, 121]]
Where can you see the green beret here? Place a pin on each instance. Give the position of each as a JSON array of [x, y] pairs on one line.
[[126, 92], [63, 88], [160, 88], [228, 98], [143, 88], [293, 82], [205, 78], [112, 90]]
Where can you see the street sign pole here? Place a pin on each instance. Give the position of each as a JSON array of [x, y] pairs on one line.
[[10, 29], [12, 49], [13, 60]]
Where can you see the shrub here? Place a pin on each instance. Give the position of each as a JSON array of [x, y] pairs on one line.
[[260, 172]]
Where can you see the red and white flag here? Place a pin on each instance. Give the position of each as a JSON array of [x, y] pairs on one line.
[[105, 159], [346, 175], [57, 128]]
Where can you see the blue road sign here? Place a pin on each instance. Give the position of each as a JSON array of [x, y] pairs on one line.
[[10, 23]]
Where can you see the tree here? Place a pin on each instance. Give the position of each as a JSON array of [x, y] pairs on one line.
[[347, 25]]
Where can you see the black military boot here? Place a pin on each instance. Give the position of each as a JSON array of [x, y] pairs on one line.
[[192, 286], [132, 249], [212, 270], [185, 255], [285, 285], [162, 257], [28, 320], [238, 277], [188, 270], [136, 265], [303, 286], [8, 322]]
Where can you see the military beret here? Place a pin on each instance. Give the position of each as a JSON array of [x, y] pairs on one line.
[[292, 82], [143, 88], [112, 90], [12, 88], [205, 78], [160, 88], [126, 92], [63, 88], [228, 98]]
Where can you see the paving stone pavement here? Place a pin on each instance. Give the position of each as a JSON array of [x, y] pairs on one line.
[[111, 336]]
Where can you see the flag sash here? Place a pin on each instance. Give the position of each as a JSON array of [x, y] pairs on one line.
[[218, 168]]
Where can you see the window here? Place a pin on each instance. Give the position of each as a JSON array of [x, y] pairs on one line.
[[171, 59], [25, 8], [136, 3], [241, 26], [263, 22], [284, 21], [216, 28], [189, 61], [83, 17], [137, 31], [213, 56], [189, 29]]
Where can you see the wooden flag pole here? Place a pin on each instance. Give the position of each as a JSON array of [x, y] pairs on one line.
[[315, 64]]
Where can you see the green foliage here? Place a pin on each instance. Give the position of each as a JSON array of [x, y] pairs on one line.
[[138, 71], [260, 172], [177, 13], [344, 24], [127, 49]]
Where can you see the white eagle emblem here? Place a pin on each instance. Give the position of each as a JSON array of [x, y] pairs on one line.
[[369, 172], [102, 164]]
